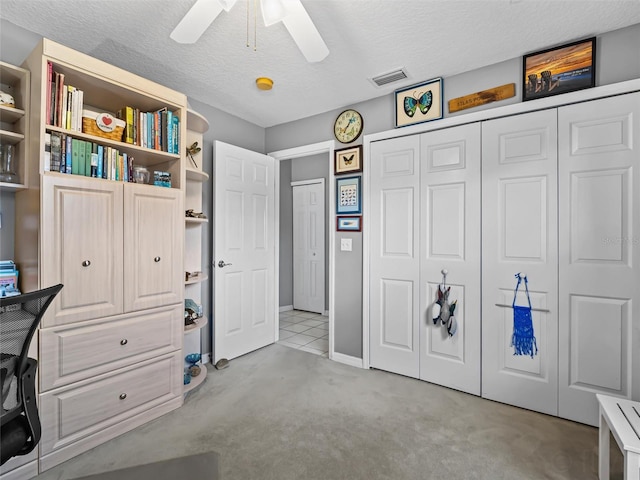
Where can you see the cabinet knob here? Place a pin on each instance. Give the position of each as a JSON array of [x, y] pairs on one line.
[[123, 396], [157, 259], [86, 263], [124, 341]]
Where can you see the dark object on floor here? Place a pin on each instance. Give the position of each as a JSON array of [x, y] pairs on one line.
[[202, 465], [222, 363], [20, 424]]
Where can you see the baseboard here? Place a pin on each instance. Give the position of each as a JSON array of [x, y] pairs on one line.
[[347, 359], [286, 308]]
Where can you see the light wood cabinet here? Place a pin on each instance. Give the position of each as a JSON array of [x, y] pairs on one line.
[[153, 246], [82, 223], [14, 121], [194, 228], [110, 347]]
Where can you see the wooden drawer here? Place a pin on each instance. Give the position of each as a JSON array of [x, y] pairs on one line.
[[73, 413], [70, 354]]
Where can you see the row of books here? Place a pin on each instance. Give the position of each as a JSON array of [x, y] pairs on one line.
[[64, 102], [8, 279], [159, 130], [82, 157]]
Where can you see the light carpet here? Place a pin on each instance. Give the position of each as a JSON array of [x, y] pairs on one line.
[[281, 414]]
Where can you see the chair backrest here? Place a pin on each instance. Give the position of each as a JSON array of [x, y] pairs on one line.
[[19, 318]]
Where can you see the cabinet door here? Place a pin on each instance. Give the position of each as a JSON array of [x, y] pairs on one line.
[[81, 247], [153, 246], [394, 256], [519, 234], [599, 187], [450, 240]]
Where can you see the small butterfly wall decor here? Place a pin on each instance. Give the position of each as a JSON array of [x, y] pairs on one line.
[[348, 160], [419, 103]]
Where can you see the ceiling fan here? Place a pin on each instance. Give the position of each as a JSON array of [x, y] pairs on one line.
[[290, 12]]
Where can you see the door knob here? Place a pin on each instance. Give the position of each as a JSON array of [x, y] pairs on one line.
[[221, 264]]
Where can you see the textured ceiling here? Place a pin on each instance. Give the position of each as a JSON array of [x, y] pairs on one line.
[[365, 38]]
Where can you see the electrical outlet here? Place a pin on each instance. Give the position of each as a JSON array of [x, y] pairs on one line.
[[346, 244]]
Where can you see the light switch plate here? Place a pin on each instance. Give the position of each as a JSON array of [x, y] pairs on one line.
[[346, 244]]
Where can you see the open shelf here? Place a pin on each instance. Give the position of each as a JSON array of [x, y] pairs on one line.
[[196, 220], [10, 114], [197, 381], [196, 175], [201, 322], [198, 279], [10, 137], [197, 122], [5, 186]]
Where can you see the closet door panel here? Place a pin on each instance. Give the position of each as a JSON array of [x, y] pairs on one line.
[[519, 234], [395, 177], [450, 240], [599, 191]]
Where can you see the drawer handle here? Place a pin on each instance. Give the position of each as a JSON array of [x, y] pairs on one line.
[[123, 396], [124, 341], [157, 259], [86, 263]]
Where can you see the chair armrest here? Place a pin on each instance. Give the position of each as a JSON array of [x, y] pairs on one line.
[[27, 386]]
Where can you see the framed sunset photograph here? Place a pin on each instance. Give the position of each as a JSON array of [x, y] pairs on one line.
[[559, 70]]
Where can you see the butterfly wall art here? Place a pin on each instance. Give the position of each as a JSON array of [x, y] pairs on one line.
[[419, 103], [348, 160]]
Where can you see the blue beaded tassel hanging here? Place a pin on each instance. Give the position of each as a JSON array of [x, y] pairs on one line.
[[523, 339]]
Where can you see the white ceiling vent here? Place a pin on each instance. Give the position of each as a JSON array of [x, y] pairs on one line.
[[389, 77]]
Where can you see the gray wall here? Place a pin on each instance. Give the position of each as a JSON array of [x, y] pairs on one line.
[[617, 59], [286, 235]]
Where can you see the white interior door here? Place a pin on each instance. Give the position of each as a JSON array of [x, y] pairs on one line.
[[519, 234], [599, 187], [394, 255], [244, 258], [308, 245], [450, 240]]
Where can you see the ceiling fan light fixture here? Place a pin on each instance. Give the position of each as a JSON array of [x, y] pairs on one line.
[[264, 83], [273, 11], [227, 4]]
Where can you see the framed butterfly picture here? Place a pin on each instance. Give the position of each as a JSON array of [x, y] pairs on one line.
[[419, 103], [348, 160]]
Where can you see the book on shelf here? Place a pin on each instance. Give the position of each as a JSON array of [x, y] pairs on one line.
[[48, 92], [100, 168], [88, 152], [47, 151], [126, 114], [95, 160], [75, 156], [68, 156], [56, 151]]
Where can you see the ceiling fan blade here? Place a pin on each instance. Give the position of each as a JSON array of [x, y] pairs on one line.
[[196, 21], [304, 32]]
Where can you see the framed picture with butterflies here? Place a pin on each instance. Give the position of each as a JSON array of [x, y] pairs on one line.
[[419, 103], [348, 160]]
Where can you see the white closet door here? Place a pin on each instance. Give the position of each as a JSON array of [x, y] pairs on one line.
[[394, 255], [450, 240], [308, 246], [519, 234], [599, 279]]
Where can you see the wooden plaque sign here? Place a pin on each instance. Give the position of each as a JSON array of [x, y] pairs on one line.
[[482, 98]]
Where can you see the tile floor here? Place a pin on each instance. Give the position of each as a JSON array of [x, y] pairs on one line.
[[305, 331]]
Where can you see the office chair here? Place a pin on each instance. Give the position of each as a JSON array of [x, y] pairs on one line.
[[19, 318]]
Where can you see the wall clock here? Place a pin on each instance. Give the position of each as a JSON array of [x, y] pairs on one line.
[[348, 126]]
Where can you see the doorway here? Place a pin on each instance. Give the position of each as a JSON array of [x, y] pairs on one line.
[[309, 245], [304, 164]]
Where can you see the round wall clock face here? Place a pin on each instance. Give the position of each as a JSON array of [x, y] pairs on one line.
[[348, 126]]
